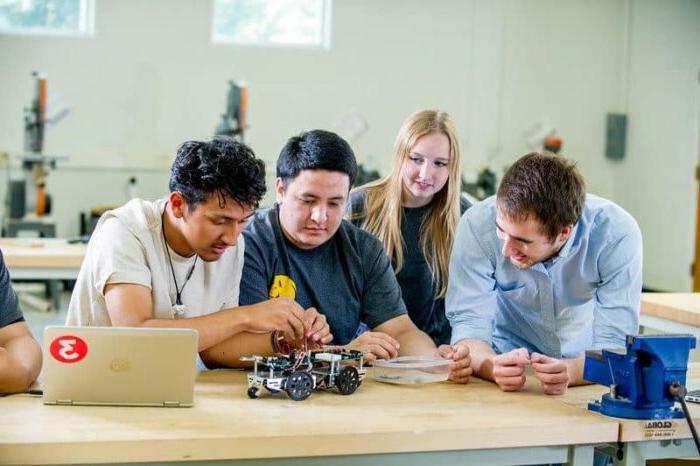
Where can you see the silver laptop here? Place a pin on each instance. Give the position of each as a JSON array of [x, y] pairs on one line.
[[119, 366]]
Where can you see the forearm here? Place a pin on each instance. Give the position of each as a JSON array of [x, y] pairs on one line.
[[413, 342], [20, 363], [482, 357], [213, 328], [574, 369], [228, 352]]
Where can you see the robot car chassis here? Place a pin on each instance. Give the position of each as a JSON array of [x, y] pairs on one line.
[[301, 372]]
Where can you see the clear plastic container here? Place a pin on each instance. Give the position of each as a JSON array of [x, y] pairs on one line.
[[411, 370]]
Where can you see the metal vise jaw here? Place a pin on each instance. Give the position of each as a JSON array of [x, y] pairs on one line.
[[639, 379]]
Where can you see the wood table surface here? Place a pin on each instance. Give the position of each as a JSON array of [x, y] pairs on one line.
[[41, 253], [677, 307], [226, 424]]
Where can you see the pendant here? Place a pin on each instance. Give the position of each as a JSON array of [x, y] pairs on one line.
[[179, 310]]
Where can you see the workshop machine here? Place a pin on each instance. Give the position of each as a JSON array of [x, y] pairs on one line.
[[28, 200], [235, 121]]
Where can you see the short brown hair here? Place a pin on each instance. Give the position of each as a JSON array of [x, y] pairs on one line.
[[546, 186]]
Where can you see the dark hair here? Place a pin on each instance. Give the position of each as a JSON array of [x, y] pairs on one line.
[[546, 186], [316, 150], [224, 166]]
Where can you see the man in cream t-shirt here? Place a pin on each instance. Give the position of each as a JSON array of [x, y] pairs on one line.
[[177, 262]]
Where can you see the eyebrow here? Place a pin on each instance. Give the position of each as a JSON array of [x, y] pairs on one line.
[[437, 159], [517, 238], [313, 196], [228, 217]]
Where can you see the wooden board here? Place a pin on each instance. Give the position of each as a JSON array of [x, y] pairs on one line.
[[678, 307], [41, 253]]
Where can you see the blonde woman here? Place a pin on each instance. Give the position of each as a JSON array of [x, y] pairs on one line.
[[414, 212]]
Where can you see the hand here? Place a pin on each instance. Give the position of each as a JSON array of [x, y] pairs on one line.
[[460, 369], [376, 345], [509, 369], [552, 373], [316, 331], [316, 327], [277, 314]]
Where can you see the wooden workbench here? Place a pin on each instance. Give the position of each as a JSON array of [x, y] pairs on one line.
[[680, 311], [472, 424], [23, 255], [638, 441], [43, 259]]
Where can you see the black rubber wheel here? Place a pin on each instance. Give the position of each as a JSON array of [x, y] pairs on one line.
[[348, 380], [253, 392], [299, 385]]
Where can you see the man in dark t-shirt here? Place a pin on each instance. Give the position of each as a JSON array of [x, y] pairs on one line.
[[20, 355], [302, 249]]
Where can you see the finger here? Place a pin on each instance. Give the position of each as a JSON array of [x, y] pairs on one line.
[[554, 389], [460, 375], [384, 338], [461, 363], [320, 328], [445, 351], [461, 352], [512, 358], [296, 320], [508, 371], [541, 358], [511, 385], [558, 378], [369, 357], [550, 367], [380, 352]]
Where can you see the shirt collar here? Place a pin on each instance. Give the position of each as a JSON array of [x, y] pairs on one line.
[[566, 250]]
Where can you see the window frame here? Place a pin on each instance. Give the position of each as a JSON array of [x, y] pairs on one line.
[[86, 25], [324, 44]]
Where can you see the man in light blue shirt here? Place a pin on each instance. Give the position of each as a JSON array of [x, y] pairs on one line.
[[540, 273]]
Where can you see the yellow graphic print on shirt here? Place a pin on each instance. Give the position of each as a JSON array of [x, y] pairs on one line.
[[283, 286]]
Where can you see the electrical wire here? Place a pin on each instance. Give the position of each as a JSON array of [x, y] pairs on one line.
[[679, 391]]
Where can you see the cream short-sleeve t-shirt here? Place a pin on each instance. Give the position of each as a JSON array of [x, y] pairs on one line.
[[127, 246]]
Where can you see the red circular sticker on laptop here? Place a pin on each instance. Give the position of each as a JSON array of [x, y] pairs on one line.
[[68, 349]]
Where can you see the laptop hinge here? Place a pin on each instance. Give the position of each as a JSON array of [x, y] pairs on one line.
[[171, 403], [64, 402]]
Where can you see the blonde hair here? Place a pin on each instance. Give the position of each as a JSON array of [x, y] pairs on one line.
[[384, 199]]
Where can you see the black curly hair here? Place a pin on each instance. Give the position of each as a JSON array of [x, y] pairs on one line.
[[224, 166]]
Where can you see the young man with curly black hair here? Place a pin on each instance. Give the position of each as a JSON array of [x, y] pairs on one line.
[[177, 262]]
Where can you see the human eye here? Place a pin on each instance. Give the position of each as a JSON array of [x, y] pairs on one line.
[[440, 164], [415, 159]]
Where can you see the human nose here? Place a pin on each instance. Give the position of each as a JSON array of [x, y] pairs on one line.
[[230, 235], [424, 171], [508, 247], [319, 214]]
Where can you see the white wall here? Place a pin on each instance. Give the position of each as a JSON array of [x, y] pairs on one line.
[[656, 182], [150, 79]]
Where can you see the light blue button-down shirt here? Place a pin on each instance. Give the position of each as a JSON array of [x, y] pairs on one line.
[[585, 297]]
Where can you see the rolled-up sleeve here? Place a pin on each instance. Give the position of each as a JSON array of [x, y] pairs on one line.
[[470, 303]]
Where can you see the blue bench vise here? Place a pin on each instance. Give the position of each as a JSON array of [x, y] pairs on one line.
[[643, 380]]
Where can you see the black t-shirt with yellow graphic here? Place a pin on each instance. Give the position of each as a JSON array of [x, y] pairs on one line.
[[348, 278]]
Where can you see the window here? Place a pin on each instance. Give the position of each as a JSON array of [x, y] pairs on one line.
[[69, 17], [304, 23]]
